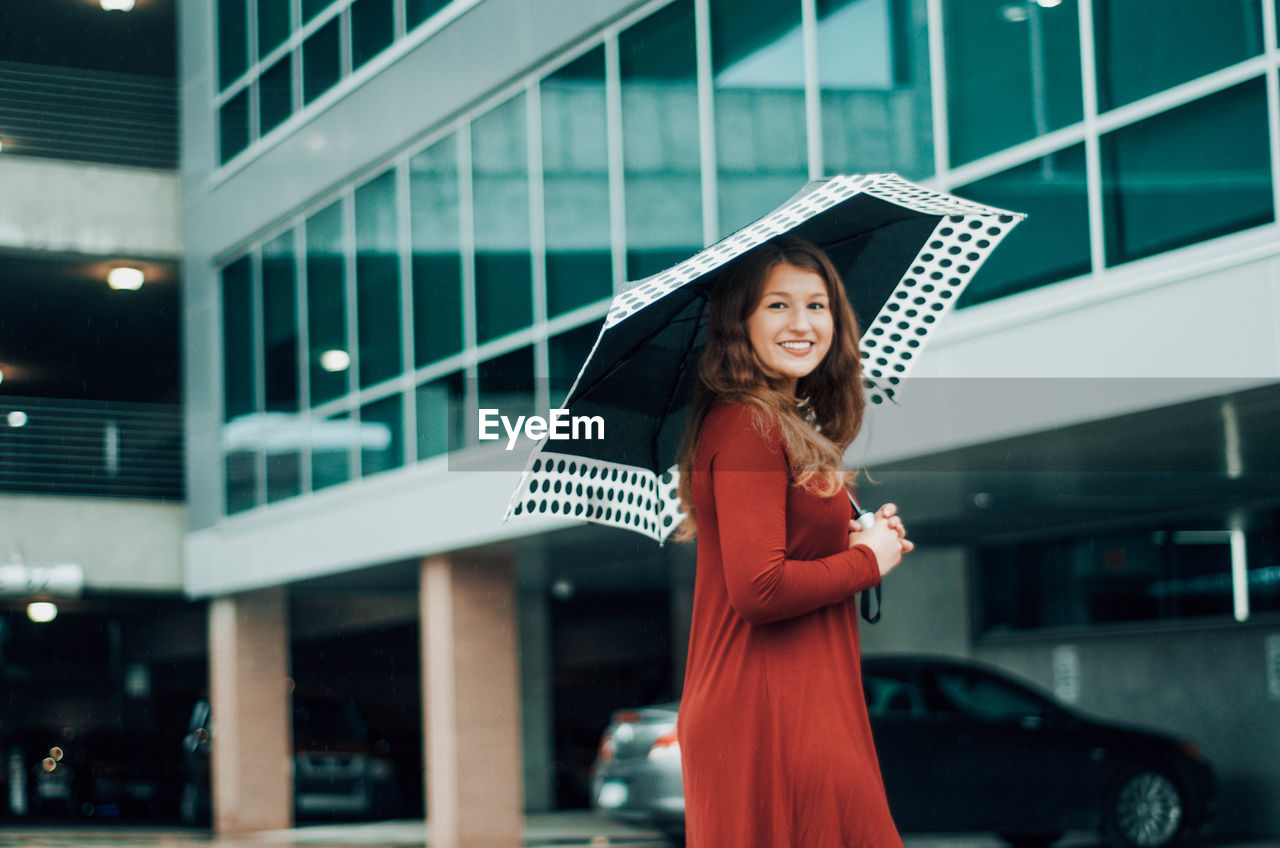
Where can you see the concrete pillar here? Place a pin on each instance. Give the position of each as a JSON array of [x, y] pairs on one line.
[[471, 701], [252, 756]]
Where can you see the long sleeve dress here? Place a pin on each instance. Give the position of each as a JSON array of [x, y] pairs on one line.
[[775, 741]]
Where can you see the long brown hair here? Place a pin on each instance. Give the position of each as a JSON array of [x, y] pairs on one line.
[[815, 434]]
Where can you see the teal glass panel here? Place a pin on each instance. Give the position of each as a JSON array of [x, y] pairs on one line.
[[280, 323], [273, 24], [326, 305], [381, 435], [378, 280], [275, 95], [757, 62], [441, 418], [437, 252], [239, 386], [660, 149], [506, 384], [566, 354], [1013, 73], [241, 469], [1140, 53], [873, 75], [311, 8], [233, 41], [500, 189], [321, 67], [575, 185], [417, 11], [280, 365], [1052, 243], [372, 29], [332, 440], [1195, 172], [233, 126]]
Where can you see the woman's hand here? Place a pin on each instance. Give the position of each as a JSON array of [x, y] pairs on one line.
[[887, 538]]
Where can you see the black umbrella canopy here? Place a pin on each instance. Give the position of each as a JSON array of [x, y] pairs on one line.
[[905, 254]]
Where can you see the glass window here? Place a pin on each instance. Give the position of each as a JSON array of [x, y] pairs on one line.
[[273, 24], [372, 29], [238, 381], [986, 697], [321, 67], [500, 186], [280, 367], [311, 8], [332, 439], [233, 126], [661, 161], [280, 323], [567, 353], [275, 95], [1140, 53], [242, 481], [1142, 575], [757, 58], [1195, 172], [329, 356], [437, 252], [233, 41], [441, 416], [381, 435], [1013, 73], [378, 280], [889, 695], [506, 384], [575, 180], [873, 70], [1052, 243], [1262, 555], [417, 11]]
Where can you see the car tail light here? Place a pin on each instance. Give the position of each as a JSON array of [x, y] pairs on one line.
[[665, 746], [626, 717], [605, 753]]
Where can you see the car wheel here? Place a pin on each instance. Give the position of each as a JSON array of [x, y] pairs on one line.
[[1031, 840], [1144, 809]]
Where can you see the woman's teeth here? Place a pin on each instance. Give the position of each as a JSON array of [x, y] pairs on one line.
[[797, 345]]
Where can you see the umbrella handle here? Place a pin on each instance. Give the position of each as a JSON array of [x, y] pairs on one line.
[[866, 517]]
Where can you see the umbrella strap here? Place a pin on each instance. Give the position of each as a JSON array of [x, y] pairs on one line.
[[866, 605]]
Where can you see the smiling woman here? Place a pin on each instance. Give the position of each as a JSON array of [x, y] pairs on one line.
[[790, 329]]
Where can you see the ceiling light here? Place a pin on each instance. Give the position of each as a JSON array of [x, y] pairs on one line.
[[17, 418], [1049, 4], [335, 360], [125, 279], [42, 612], [1, 376], [116, 5]]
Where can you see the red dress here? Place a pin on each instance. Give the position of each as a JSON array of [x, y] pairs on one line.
[[775, 742]]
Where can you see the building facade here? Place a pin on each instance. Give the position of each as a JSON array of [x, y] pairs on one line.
[[396, 212]]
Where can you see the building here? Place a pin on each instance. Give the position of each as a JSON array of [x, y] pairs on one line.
[[395, 212]]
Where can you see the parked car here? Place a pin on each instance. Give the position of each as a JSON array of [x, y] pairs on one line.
[[100, 772], [339, 768], [962, 747]]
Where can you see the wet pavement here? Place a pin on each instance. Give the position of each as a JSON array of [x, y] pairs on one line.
[[545, 831]]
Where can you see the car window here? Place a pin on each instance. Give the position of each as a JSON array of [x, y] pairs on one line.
[[888, 696], [985, 697]]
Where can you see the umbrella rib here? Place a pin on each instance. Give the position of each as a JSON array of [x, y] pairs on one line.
[[675, 385]]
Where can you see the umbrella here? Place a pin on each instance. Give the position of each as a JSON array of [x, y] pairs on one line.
[[905, 254]]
